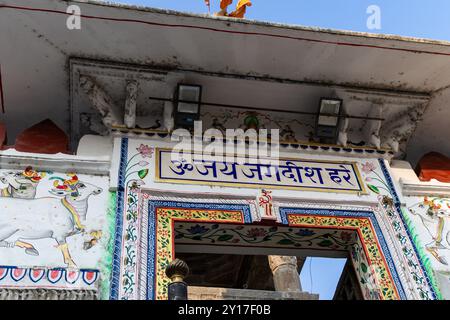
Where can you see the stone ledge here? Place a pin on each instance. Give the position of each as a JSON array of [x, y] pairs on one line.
[[12, 159], [425, 188], [47, 294], [207, 293]]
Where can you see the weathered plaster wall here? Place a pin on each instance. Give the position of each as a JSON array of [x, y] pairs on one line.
[[432, 132]]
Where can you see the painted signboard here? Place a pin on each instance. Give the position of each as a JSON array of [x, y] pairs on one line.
[[295, 174]]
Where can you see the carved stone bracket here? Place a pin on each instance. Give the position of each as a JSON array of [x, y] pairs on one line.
[[102, 102]]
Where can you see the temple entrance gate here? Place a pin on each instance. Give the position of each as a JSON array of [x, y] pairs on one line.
[[152, 213], [220, 225]]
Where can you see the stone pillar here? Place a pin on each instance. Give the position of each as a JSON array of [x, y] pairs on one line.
[[285, 273]]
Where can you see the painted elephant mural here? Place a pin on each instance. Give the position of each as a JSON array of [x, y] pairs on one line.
[[434, 215], [46, 207]]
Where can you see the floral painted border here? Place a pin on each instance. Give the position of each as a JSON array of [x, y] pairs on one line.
[[366, 232], [423, 278], [365, 272], [390, 209], [160, 240], [132, 172], [263, 236]]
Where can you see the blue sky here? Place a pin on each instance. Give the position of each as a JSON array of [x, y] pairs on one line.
[[321, 275], [415, 18]]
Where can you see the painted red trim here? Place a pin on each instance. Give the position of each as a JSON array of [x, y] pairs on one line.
[[348, 44], [208, 221], [2, 97], [155, 257], [382, 255]]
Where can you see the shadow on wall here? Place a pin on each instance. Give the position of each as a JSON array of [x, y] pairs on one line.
[[432, 132]]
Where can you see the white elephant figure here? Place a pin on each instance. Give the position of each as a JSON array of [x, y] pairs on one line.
[[434, 214], [57, 217]]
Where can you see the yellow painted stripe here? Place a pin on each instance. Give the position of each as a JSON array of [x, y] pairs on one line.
[[74, 213], [440, 229]]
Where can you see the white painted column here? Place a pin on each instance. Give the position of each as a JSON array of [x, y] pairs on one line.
[[130, 104]]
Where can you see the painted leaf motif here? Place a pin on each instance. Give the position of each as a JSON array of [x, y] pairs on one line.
[[285, 242], [325, 243], [373, 188], [363, 267], [143, 173], [225, 237]]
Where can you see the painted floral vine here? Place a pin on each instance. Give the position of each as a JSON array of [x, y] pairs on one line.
[[135, 173]]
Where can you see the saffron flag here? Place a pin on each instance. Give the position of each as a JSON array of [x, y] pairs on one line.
[[225, 3], [241, 8]]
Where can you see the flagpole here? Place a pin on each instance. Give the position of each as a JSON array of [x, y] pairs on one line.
[[208, 4]]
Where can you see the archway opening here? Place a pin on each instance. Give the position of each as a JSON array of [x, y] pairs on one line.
[[261, 262]]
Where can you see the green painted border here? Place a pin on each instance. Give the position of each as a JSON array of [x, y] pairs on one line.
[[422, 253], [106, 261]]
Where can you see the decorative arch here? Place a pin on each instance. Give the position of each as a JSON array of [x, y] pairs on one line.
[[158, 243]]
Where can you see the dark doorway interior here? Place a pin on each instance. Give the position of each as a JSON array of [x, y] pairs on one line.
[[253, 272], [228, 271]]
